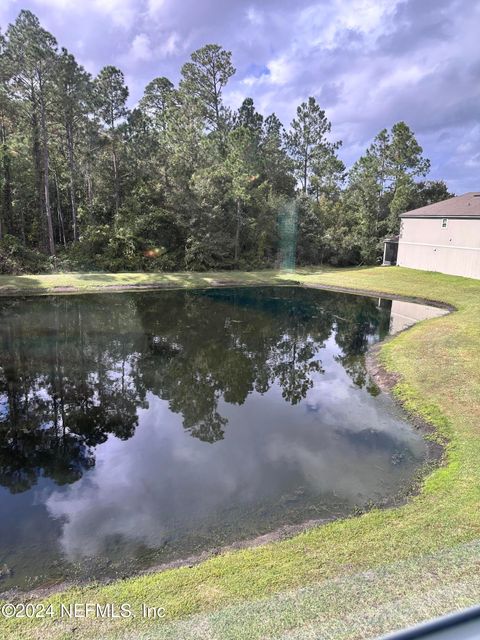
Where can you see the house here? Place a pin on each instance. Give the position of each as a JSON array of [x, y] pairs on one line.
[[443, 237]]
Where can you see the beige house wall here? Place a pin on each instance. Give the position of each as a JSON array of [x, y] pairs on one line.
[[424, 244]]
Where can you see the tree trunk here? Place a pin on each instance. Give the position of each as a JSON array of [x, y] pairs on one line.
[[46, 178], [22, 227], [89, 185], [6, 222], [37, 163], [71, 168], [115, 178], [237, 232], [305, 173], [61, 224]]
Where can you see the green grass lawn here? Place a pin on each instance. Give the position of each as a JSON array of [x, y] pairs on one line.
[[87, 282], [349, 579]]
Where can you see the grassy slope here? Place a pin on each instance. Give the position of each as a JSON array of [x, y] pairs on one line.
[[439, 364], [84, 282]]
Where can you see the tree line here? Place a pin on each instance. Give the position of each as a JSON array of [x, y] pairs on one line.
[[181, 181]]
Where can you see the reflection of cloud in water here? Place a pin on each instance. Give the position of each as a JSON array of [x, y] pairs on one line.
[[137, 487], [163, 479]]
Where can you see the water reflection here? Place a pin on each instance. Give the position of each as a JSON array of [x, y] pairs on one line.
[[130, 391], [404, 314]]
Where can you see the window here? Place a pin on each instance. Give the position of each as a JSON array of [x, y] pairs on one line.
[[444, 223]]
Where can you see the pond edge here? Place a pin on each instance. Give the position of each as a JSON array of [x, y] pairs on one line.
[[436, 446]]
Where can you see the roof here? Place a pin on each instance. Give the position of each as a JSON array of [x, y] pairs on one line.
[[465, 206], [392, 239]]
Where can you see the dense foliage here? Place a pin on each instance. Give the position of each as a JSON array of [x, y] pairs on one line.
[[181, 181]]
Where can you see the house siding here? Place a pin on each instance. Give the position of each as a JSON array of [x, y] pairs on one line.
[[455, 250]]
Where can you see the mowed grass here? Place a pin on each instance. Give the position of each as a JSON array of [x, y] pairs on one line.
[[89, 282], [439, 364]]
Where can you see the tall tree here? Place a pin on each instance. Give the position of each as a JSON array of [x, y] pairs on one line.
[[307, 141], [74, 101], [405, 163], [111, 95], [33, 54], [157, 105], [158, 98], [382, 184], [277, 165], [242, 164], [248, 117], [6, 124], [428, 192], [204, 78], [328, 175]]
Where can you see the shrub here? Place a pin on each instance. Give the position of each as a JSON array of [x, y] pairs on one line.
[[16, 259]]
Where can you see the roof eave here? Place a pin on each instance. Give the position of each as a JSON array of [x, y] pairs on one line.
[[475, 216]]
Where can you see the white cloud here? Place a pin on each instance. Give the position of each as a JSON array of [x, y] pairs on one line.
[[141, 48], [170, 46], [155, 6], [254, 16], [281, 70], [60, 5], [121, 12], [364, 15], [321, 25]]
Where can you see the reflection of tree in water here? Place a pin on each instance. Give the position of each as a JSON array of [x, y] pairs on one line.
[[357, 320], [228, 344], [65, 385], [74, 370], [23, 453], [293, 367]]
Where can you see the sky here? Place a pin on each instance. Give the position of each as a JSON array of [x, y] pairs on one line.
[[369, 63]]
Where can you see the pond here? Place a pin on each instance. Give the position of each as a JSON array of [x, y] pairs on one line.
[[141, 428]]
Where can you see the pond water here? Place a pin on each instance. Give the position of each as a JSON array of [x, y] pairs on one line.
[[140, 428]]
